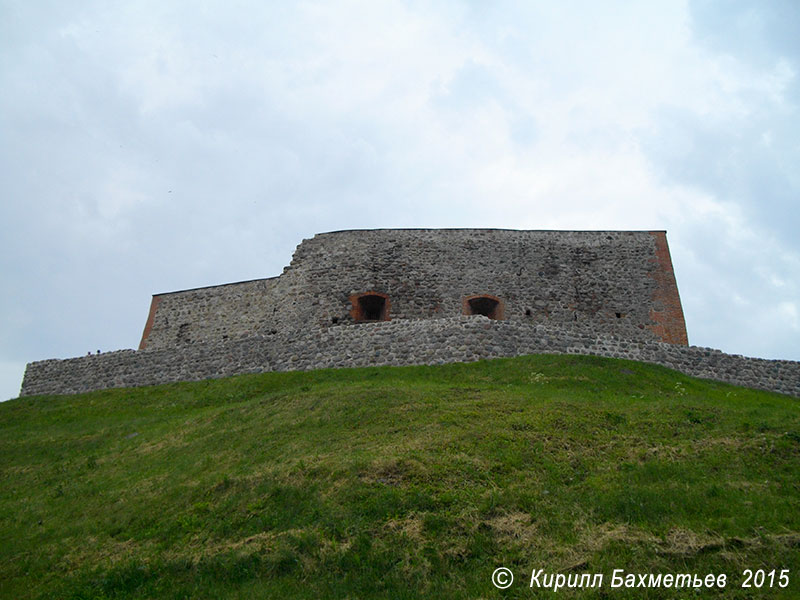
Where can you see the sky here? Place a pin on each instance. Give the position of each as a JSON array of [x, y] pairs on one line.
[[153, 146]]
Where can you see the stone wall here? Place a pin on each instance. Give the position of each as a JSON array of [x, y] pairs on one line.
[[207, 314], [399, 342], [606, 282]]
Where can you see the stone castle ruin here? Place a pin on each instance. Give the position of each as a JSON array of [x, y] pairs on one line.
[[618, 283], [422, 296]]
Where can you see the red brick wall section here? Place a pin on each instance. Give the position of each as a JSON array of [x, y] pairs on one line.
[[149, 325], [666, 312]]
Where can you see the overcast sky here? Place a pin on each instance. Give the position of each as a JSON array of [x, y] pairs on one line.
[[152, 146]]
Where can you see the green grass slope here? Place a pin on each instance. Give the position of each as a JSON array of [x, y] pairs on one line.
[[414, 482]]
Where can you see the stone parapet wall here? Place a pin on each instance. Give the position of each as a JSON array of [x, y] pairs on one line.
[[207, 314], [406, 342]]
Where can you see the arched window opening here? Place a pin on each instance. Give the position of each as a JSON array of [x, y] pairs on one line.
[[371, 306], [488, 306]]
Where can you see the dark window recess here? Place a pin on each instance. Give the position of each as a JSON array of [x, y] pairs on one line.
[[371, 306], [488, 306]]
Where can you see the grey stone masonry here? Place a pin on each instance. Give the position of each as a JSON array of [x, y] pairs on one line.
[[607, 282], [397, 342]]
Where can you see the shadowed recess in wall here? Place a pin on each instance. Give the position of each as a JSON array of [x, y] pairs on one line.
[[371, 306], [488, 306]]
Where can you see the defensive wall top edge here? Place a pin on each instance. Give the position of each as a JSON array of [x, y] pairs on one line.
[[426, 230], [216, 285], [481, 229], [486, 230]]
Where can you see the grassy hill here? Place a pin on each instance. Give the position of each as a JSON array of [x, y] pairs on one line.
[[399, 483]]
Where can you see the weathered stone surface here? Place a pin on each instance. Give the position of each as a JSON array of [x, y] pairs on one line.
[[402, 342], [610, 282], [605, 293]]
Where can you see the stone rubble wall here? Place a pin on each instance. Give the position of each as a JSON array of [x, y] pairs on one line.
[[408, 342], [614, 282]]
